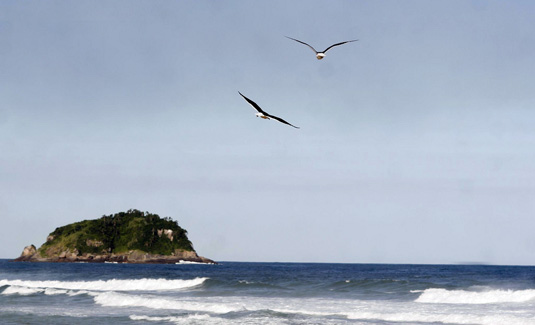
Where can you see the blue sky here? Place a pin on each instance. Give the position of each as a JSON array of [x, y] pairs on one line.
[[416, 142]]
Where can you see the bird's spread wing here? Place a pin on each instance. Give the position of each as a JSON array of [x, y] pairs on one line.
[[339, 44], [255, 105], [313, 49], [281, 120]]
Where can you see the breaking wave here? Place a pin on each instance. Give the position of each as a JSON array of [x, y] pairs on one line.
[[24, 287], [443, 296], [114, 299]]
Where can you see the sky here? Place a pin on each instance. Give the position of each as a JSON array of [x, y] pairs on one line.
[[416, 143]]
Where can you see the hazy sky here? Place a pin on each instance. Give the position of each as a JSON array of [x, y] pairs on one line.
[[417, 143]]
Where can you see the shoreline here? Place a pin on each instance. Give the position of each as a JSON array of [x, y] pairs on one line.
[[30, 254]]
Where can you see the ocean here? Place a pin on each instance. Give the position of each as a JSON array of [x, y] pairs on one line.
[[265, 293]]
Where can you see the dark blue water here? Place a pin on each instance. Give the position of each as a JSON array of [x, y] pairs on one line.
[[265, 293]]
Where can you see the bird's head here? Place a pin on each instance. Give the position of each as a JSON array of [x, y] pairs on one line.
[[320, 56]]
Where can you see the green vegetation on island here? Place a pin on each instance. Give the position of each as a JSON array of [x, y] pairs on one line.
[[132, 236], [120, 233]]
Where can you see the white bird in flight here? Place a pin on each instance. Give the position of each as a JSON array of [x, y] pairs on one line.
[[320, 55], [263, 114]]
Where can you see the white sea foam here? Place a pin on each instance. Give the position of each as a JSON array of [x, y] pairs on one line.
[[379, 311], [24, 291], [208, 310], [108, 285], [404, 312], [443, 296], [53, 292], [172, 319], [190, 262], [114, 299], [448, 318], [18, 290], [214, 305]]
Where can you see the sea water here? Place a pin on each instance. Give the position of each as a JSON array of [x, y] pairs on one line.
[[265, 293]]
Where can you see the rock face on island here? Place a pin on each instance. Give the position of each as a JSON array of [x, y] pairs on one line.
[[125, 237]]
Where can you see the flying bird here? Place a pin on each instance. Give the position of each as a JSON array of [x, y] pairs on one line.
[[320, 55], [263, 114]]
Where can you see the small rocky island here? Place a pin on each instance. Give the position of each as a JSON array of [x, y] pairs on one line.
[[125, 237]]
